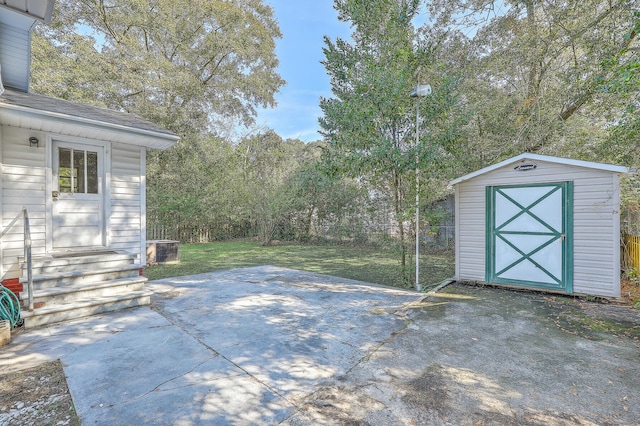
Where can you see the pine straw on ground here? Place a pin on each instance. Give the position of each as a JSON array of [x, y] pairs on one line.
[[37, 396], [630, 293]]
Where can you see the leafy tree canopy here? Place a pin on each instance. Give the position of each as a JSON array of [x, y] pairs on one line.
[[534, 72], [189, 65], [370, 122]]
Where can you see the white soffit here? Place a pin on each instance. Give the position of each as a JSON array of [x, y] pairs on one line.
[[38, 9]]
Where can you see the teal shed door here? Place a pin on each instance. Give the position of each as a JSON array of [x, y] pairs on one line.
[[529, 238]]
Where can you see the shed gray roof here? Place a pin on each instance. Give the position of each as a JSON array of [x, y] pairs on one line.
[[72, 109]]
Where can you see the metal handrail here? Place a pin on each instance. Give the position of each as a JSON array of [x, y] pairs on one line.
[[27, 256], [27, 249]]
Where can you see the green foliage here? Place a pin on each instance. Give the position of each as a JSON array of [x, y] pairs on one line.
[[622, 80], [267, 162], [533, 75], [189, 66], [369, 124]]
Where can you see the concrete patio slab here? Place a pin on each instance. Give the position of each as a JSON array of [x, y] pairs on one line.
[[491, 356], [267, 345], [234, 347]]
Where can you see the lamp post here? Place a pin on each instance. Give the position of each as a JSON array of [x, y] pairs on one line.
[[420, 91]]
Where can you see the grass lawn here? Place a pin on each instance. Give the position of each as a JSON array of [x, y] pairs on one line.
[[369, 264]]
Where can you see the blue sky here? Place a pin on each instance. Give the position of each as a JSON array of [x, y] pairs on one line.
[[303, 24]]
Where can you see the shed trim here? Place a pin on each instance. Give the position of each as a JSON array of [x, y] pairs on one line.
[[538, 157]]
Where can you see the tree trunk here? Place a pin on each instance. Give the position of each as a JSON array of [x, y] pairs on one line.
[[397, 183], [307, 225]]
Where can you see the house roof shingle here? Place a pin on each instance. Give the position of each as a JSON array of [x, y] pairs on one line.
[[72, 109]]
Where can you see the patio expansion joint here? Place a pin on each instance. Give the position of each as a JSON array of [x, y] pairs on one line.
[[377, 347], [216, 354]]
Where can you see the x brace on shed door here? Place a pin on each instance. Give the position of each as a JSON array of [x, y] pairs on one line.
[[529, 235]]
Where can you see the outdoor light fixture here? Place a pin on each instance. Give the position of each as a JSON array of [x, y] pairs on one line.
[[420, 91], [33, 142]]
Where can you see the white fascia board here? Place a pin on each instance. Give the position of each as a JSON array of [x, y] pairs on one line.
[[41, 10], [139, 137], [549, 159]]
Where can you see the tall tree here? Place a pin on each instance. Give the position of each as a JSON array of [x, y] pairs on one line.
[[369, 123], [184, 64], [267, 161], [623, 143], [196, 67], [534, 71]]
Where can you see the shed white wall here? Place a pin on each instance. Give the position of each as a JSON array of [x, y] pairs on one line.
[[23, 175], [596, 223]]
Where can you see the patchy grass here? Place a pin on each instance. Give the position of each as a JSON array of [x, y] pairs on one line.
[[375, 265]]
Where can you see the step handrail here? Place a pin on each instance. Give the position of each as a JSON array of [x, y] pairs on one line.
[[27, 249], [27, 256]]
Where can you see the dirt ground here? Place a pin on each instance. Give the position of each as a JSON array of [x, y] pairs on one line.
[[630, 294], [36, 396], [40, 396]]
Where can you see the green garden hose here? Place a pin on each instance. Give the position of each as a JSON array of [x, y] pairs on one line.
[[9, 306]]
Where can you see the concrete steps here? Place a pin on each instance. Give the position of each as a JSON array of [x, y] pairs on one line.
[[48, 265], [51, 314], [75, 285], [82, 276]]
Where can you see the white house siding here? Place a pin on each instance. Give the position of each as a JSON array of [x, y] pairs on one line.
[[127, 192], [14, 56], [596, 245], [23, 184]]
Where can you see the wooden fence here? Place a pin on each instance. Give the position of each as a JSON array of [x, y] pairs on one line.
[[632, 252], [193, 234], [630, 227]]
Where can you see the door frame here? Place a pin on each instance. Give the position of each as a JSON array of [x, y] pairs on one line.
[[49, 185], [566, 285]]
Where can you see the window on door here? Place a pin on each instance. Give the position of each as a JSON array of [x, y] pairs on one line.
[[78, 171]]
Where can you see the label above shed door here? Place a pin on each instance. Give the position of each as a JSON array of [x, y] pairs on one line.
[[525, 167]]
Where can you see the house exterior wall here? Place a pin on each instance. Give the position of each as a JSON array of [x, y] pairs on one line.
[[15, 54], [23, 184], [596, 223], [24, 175], [127, 198]]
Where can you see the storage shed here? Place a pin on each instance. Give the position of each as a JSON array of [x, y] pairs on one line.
[[540, 222]]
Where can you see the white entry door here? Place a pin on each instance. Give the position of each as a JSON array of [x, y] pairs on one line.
[[77, 196]]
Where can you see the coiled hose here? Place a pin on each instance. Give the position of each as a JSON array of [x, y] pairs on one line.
[[9, 306]]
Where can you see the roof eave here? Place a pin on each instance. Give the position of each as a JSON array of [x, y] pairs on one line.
[[123, 134], [42, 13], [537, 157]]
